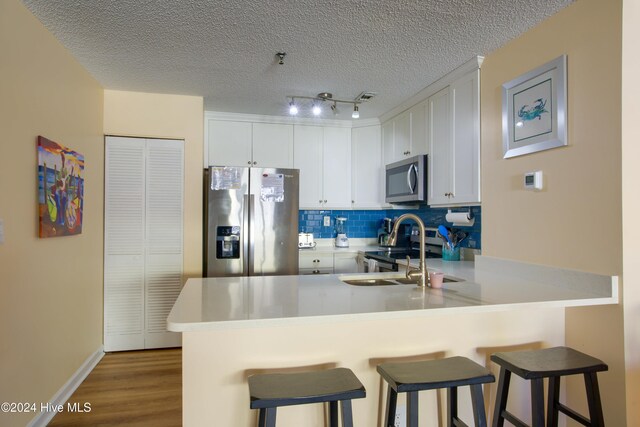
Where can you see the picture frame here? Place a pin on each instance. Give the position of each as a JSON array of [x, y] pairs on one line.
[[534, 110]]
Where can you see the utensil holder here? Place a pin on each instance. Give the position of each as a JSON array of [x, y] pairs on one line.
[[449, 254]]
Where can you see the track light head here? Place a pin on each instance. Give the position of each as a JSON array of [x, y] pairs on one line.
[[356, 113], [293, 108]]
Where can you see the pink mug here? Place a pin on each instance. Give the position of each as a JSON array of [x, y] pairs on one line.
[[436, 278]]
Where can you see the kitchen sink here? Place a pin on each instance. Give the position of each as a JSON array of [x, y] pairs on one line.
[[384, 279]]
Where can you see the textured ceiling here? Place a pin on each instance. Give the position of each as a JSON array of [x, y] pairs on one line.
[[225, 50]]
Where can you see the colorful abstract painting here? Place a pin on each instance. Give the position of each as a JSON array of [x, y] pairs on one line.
[[60, 189]]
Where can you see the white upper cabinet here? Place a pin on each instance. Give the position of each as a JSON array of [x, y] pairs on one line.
[[323, 155], [229, 143], [454, 143], [440, 146], [272, 145], [367, 170], [307, 157], [405, 134], [233, 143]]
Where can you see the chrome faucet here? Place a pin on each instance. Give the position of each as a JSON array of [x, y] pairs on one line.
[[420, 274]]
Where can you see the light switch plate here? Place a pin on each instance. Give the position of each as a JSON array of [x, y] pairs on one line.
[[327, 221]]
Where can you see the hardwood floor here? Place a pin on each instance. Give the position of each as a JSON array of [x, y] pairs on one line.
[[133, 388]]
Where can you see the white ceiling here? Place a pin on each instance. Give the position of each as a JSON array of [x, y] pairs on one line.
[[225, 50]]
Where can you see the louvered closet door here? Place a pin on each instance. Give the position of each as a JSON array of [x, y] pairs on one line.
[[124, 243], [144, 180], [164, 215]]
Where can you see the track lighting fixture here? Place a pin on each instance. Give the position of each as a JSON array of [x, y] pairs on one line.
[[317, 102], [293, 108]]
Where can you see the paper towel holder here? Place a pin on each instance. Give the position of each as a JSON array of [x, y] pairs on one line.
[[461, 219]]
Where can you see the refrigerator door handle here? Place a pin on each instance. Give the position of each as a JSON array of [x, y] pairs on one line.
[[245, 236], [250, 241]]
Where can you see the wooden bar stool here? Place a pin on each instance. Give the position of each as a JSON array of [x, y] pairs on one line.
[[449, 373], [269, 391], [552, 363]]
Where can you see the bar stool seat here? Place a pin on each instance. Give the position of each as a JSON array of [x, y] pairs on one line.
[[552, 363], [270, 391], [449, 373]]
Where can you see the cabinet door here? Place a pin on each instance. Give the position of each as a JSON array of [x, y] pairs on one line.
[[440, 147], [388, 153], [307, 156], [402, 135], [419, 129], [465, 97], [272, 145], [229, 143], [367, 172], [336, 173], [345, 263]]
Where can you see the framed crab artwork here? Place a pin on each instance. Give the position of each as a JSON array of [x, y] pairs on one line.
[[534, 110]]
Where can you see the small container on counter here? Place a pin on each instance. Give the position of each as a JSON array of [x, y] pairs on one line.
[[449, 254]]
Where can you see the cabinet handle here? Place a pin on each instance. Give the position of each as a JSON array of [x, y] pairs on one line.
[[319, 201], [325, 201], [316, 271], [255, 163], [353, 201], [249, 162]]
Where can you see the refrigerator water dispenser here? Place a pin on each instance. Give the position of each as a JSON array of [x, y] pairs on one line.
[[228, 242]]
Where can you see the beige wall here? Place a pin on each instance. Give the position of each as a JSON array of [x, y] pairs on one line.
[[50, 289], [575, 222], [167, 116], [631, 203]]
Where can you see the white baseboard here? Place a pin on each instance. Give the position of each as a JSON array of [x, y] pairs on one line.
[[65, 392]]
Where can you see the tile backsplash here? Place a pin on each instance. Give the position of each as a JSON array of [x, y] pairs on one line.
[[365, 223]]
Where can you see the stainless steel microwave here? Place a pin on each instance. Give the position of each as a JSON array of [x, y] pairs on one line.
[[406, 181]]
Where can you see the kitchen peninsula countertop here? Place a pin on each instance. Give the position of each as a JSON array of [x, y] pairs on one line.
[[488, 284]]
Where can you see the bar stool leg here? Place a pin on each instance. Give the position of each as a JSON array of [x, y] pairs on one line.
[[333, 414], [477, 402], [267, 417], [501, 397], [412, 409], [347, 414], [392, 400], [537, 402], [452, 405], [593, 399], [553, 400]]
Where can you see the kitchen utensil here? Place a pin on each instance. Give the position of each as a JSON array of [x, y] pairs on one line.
[[444, 232]]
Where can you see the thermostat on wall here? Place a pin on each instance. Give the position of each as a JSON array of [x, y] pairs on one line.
[[533, 180]]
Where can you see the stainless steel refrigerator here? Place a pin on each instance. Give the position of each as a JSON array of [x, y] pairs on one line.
[[250, 221]]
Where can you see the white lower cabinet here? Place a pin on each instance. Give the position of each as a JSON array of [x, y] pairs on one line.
[[311, 262], [314, 263], [143, 241], [345, 263]]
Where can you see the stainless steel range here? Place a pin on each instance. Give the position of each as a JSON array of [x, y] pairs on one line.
[[385, 259]]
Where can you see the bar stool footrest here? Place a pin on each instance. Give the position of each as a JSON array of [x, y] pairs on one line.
[[573, 414]]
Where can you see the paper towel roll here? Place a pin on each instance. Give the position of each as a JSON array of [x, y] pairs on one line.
[[460, 218]]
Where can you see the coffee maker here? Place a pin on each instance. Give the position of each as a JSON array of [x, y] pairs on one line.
[[341, 232], [383, 232]]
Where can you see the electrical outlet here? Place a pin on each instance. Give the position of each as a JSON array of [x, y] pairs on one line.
[[327, 221], [401, 416]]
